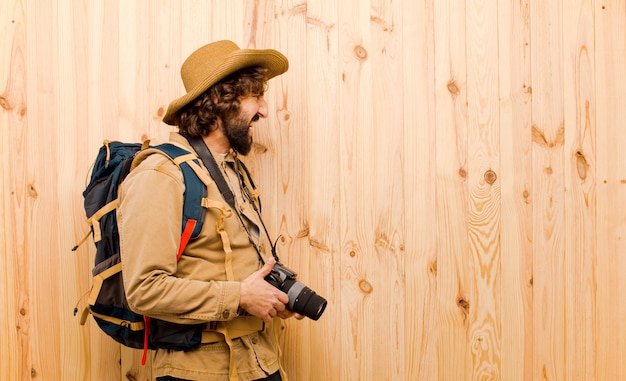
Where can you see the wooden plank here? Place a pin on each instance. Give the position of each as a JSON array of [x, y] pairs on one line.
[[420, 263], [484, 209], [15, 318], [454, 283], [227, 21], [383, 160], [321, 132], [103, 88], [548, 185], [580, 198], [516, 186], [356, 143], [610, 90], [163, 78], [194, 33], [72, 90], [130, 71], [41, 209]]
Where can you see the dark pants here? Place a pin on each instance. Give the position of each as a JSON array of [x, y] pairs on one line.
[[273, 377]]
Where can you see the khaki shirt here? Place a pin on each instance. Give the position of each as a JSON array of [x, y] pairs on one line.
[[195, 289]]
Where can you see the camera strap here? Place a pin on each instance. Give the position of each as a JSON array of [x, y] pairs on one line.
[[209, 162]]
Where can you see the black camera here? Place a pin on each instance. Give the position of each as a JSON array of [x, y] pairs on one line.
[[302, 299]]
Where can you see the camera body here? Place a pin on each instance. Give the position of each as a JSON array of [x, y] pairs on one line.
[[279, 275], [302, 299]]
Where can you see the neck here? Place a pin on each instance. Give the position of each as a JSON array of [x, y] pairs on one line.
[[217, 141]]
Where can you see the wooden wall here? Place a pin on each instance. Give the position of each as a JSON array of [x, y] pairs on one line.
[[449, 174]]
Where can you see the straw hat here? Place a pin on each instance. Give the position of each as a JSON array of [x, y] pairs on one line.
[[213, 62]]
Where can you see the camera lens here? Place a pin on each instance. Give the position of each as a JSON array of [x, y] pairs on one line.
[[303, 300]]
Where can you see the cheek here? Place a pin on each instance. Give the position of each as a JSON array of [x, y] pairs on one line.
[[249, 107]]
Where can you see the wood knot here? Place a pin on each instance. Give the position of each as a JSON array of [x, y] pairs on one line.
[[284, 114], [4, 103], [453, 88], [464, 305], [259, 148], [365, 286], [526, 196], [490, 177], [32, 191], [318, 245], [361, 52], [581, 165], [433, 268], [304, 232]]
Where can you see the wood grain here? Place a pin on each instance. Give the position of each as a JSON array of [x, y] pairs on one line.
[[420, 250], [516, 258], [548, 132], [580, 198], [484, 208], [610, 93], [454, 274], [15, 290], [449, 175]]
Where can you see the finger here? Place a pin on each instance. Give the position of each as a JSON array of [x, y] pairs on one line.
[[268, 316], [285, 314]]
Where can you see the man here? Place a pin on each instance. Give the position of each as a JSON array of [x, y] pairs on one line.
[[219, 279]]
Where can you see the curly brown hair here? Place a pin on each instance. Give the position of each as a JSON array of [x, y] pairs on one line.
[[221, 101]]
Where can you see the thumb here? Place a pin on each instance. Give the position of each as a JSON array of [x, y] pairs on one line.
[[267, 267]]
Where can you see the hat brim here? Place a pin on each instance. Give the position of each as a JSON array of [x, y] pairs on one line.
[[275, 62]]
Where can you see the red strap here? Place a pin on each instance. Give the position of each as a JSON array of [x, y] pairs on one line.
[[146, 334], [184, 239]]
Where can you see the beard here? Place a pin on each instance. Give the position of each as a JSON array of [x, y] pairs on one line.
[[236, 130]]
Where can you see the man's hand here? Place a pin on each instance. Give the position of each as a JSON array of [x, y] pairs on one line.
[[261, 299]]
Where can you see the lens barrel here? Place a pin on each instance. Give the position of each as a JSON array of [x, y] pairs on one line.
[[303, 300]]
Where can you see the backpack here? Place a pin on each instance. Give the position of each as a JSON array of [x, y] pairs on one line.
[[107, 300]]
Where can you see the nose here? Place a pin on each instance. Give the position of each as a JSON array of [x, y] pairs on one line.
[[262, 112]]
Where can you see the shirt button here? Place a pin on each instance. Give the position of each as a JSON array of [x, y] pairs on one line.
[[254, 340], [226, 314]]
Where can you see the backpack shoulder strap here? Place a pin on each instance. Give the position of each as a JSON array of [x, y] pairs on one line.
[[195, 187]]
